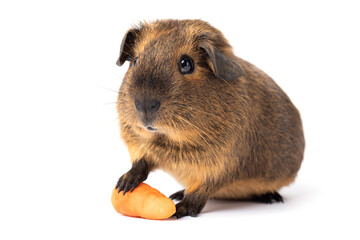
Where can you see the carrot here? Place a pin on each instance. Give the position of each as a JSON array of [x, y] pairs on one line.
[[144, 201]]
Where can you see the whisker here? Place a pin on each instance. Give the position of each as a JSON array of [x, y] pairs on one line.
[[106, 88], [131, 58], [104, 104], [203, 112], [117, 76], [130, 47], [202, 131]]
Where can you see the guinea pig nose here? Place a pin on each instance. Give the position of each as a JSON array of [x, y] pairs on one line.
[[150, 105]]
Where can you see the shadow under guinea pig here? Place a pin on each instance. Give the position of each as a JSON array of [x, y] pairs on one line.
[[291, 199], [216, 205]]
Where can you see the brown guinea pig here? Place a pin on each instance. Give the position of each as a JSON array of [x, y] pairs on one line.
[[215, 122]]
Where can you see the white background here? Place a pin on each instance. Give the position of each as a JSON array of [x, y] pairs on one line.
[[60, 148]]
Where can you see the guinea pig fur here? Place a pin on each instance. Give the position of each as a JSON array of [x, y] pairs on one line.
[[215, 122]]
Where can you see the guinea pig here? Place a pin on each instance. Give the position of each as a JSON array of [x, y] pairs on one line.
[[215, 122]]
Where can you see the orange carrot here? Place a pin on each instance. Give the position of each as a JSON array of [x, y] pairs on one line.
[[144, 201]]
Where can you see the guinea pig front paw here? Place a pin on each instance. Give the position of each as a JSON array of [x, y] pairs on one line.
[[136, 175], [187, 208], [128, 182]]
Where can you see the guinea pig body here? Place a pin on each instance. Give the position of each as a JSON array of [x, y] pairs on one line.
[[216, 123]]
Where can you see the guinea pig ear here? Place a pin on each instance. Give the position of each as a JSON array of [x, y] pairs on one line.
[[224, 67], [126, 48]]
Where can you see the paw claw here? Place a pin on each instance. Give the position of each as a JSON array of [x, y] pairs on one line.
[[120, 184], [127, 183], [178, 195]]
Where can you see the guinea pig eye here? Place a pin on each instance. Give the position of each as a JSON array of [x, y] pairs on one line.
[[135, 60], [186, 64]]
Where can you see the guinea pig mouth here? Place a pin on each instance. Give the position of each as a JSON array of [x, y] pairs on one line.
[[148, 128], [147, 124], [151, 129]]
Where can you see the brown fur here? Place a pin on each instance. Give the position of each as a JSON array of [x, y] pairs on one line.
[[245, 189], [227, 130]]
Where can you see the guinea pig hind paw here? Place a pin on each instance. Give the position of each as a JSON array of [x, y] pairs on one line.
[[187, 208], [268, 198]]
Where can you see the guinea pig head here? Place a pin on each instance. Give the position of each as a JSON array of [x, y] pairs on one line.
[[179, 84]]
